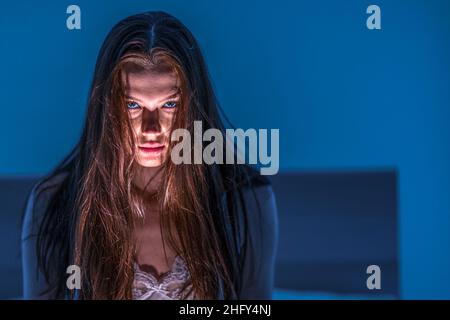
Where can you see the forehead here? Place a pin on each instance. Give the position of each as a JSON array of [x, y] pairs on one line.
[[149, 84]]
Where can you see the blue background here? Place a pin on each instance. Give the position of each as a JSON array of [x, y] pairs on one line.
[[344, 97]]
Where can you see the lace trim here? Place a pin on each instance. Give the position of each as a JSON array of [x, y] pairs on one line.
[[147, 287]]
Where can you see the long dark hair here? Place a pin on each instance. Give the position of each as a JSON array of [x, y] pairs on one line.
[[89, 220]]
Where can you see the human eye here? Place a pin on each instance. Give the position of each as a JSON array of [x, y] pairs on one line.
[[132, 105], [170, 104]]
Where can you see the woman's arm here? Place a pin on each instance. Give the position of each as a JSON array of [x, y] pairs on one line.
[[34, 282], [262, 241]]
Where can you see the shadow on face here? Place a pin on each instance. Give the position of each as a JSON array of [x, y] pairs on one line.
[[152, 98]]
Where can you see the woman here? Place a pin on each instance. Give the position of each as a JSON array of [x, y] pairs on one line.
[[137, 225]]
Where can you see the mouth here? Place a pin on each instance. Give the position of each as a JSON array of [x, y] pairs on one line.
[[152, 148]]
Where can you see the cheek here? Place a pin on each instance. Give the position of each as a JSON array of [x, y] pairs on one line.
[[165, 121], [136, 126]]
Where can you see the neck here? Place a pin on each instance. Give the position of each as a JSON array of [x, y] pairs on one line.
[[146, 183], [148, 179]]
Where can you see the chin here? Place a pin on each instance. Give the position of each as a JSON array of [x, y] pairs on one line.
[[150, 161]]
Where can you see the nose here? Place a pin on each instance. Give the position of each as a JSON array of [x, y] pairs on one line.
[[150, 121]]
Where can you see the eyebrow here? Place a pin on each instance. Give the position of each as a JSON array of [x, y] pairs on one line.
[[170, 96]]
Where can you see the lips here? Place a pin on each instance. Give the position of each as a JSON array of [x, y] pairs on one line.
[[151, 144], [151, 147]]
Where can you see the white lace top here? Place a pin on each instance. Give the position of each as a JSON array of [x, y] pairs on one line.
[[147, 287]]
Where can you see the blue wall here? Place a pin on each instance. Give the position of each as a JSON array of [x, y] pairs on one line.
[[342, 96]]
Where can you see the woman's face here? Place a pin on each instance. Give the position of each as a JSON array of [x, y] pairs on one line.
[[152, 98]]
